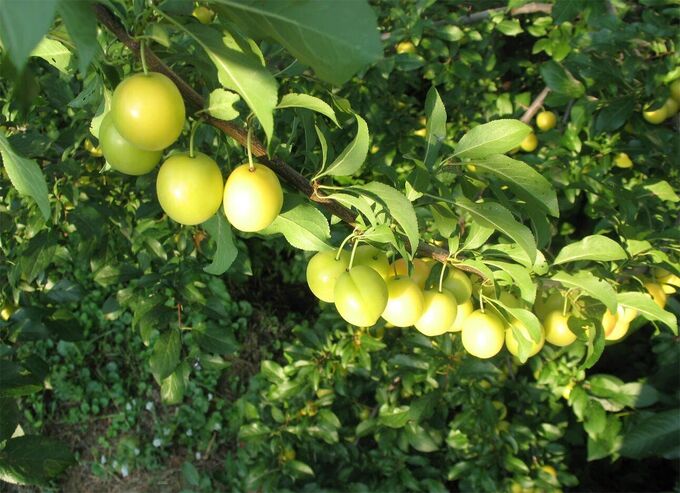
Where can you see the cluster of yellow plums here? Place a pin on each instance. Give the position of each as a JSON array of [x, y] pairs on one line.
[[545, 120], [365, 287], [147, 116], [668, 110]]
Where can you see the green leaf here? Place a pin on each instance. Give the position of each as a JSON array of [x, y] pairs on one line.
[[219, 229], [336, 39], [510, 27], [272, 371], [9, 417], [173, 387], [382, 233], [165, 356], [477, 236], [398, 206], [82, 29], [520, 275], [524, 180], [496, 137], [33, 459], [25, 174], [299, 468], [590, 285], [353, 156], [361, 203], [493, 215], [560, 80], [22, 26], [190, 474], [645, 305], [394, 417], [16, 381], [615, 114], [294, 100], [594, 247], [240, 68], [435, 129], [608, 442], [595, 419], [53, 52], [532, 325], [420, 439], [663, 190], [215, 339], [653, 435], [221, 104], [304, 226], [253, 431]]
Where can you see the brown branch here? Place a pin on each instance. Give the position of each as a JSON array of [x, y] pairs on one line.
[[239, 134], [530, 8], [535, 106]]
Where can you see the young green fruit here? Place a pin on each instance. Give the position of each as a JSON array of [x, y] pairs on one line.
[[405, 47], [543, 306], [616, 326], [623, 161], [189, 188], [148, 111], [483, 334], [675, 90], [439, 312], [421, 270], [671, 107], [374, 258], [360, 296], [546, 120], [463, 310], [557, 330], [655, 117], [252, 199], [658, 294], [121, 154], [512, 343], [529, 143], [459, 284], [405, 302], [323, 271]]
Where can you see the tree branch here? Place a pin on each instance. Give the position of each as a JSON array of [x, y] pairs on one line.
[[239, 134], [530, 8], [535, 105]]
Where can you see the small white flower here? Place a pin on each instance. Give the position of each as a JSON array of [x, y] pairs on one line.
[[124, 471], [128, 407], [166, 432], [210, 396], [102, 459], [137, 451], [217, 427], [198, 456], [149, 405], [157, 442], [189, 432], [115, 464]]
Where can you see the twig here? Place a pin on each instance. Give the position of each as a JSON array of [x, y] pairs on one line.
[[289, 174], [530, 8], [535, 106]]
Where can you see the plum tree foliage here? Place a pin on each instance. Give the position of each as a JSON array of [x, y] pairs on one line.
[[484, 202]]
